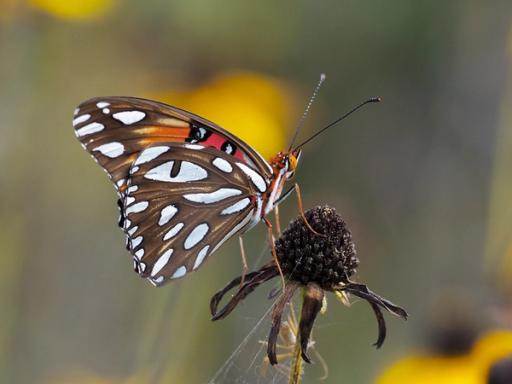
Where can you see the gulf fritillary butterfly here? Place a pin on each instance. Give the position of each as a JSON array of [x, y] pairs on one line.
[[185, 185]]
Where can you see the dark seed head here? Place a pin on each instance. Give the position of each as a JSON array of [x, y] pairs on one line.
[[307, 257]]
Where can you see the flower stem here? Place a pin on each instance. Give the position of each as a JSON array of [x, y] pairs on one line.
[[296, 372], [296, 367]]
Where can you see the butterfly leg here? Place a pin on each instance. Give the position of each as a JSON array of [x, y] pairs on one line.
[[245, 267], [301, 210], [278, 220], [273, 248]]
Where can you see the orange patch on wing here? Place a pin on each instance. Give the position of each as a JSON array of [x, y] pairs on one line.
[[172, 122], [161, 139], [170, 132]]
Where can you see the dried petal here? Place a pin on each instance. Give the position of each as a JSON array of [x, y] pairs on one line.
[[277, 313], [376, 303], [312, 304], [251, 282]]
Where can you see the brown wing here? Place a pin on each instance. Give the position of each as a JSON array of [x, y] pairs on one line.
[[182, 203], [114, 130]]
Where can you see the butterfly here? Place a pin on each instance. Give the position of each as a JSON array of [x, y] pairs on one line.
[[185, 185]]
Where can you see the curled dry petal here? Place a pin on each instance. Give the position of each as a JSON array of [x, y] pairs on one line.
[[277, 313], [311, 305], [376, 303], [251, 282]]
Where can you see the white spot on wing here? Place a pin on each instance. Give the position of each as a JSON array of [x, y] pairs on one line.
[[106, 111], [222, 164], [76, 112], [188, 172], [200, 256], [120, 182], [156, 281], [255, 177], [81, 119], [130, 200], [256, 217], [161, 262], [197, 234], [237, 207], [133, 230], [212, 197], [173, 231], [180, 272], [132, 189], [136, 208], [136, 242], [139, 253], [194, 146], [133, 170], [235, 229], [129, 117], [150, 154], [90, 128], [111, 150], [167, 214], [102, 104]]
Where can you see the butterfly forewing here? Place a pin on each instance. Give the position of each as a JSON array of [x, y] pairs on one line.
[[114, 130], [182, 202], [186, 185]]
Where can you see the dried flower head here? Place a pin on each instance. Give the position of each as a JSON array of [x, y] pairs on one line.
[[316, 263], [325, 260]]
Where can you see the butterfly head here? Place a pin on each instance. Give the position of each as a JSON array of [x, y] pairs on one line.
[[286, 163]]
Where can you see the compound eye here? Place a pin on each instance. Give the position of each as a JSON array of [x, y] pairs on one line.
[[292, 163]]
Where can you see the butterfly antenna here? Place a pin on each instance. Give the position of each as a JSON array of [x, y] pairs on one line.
[[372, 100], [306, 111]]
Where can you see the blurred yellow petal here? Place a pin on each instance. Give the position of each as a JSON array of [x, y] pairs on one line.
[[430, 370], [472, 368], [492, 346], [74, 9], [254, 107]]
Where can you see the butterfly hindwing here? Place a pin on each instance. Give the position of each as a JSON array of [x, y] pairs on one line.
[[114, 130], [182, 202]]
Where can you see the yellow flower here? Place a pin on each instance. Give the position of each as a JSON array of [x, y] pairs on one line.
[[74, 9], [493, 346], [254, 107], [470, 368]]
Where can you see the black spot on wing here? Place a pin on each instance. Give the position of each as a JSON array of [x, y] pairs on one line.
[[122, 218], [198, 133], [228, 147], [175, 168]]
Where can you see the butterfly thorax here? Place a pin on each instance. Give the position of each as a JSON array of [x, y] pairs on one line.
[[283, 168]]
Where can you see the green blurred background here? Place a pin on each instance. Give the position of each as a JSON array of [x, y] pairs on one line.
[[422, 178]]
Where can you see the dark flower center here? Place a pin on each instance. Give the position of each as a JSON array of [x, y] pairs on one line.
[[307, 257]]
